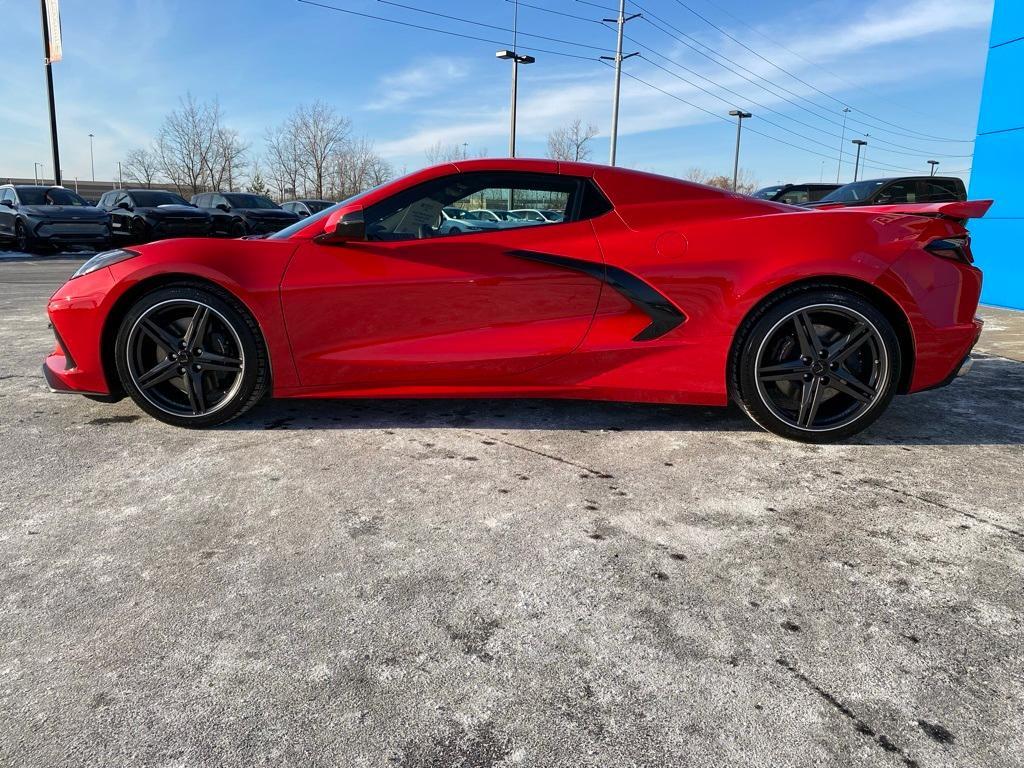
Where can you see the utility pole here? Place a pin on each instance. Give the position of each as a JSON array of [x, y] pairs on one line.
[[49, 91], [842, 143], [120, 183], [856, 163], [36, 170], [92, 159], [933, 163], [620, 21], [740, 116], [516, 60]]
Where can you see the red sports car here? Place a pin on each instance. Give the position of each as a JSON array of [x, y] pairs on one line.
[[649, 289]]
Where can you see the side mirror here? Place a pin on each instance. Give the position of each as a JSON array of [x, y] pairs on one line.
[[223, 207], [124, 206], [343, 228], [8, 203]]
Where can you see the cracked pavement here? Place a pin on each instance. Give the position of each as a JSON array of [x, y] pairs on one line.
[[492, 583]]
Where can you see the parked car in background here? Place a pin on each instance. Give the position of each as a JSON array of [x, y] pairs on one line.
[[304, 208], [237, 214], [459, 221], [795, 194], [38, 218], [545, 216], [142, 215], [899, 190]]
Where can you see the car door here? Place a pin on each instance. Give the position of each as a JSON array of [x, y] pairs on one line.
[[7, 212], [120, 218], [412, 308]]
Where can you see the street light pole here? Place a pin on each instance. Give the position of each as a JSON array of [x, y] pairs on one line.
[[933, 163], [842, 143], [49, 93], [856, 163], [740, 116], [92, 160], [36, 168], [516, 60], [620, 21]]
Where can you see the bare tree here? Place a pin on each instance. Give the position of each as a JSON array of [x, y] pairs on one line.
[[283, 160], [358, 167], [228, 159], [439, 152], [142, 167], [186, 144], [746, 183], [570, 142], [319, 133]]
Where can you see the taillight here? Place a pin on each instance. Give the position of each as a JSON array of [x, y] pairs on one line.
[[955, 248]]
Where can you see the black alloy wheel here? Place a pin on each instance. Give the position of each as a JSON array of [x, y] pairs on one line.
[[191, 357], [238, 228], [819, 367], [20, 237], [139, 229]]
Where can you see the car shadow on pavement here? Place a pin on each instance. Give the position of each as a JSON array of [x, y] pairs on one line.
[[984, 408]]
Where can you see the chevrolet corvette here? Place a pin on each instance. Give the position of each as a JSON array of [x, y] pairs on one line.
[[650, 289]]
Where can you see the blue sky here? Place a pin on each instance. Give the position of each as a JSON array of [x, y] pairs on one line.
[[908, 71]]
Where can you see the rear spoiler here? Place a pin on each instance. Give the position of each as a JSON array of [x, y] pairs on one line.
[[958, 209]]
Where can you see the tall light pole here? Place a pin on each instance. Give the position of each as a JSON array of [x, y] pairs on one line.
[[516, 61], [47, 61], [92, 160], [620, 21], [856, 163], [842, 143], [933, 163], [740, 116]]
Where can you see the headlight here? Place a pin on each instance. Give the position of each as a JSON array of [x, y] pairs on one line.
[[105, 259]]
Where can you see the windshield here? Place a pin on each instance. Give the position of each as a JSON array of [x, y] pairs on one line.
[[249, 201], [301, 224], [767, 193], [852, 193], [151, 199], [315, 206], [49, 196]]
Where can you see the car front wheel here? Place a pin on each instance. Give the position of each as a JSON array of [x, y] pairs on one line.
[[191, 356], [817, 366]]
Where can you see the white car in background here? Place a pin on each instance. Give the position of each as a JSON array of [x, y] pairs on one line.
[[537, 216]]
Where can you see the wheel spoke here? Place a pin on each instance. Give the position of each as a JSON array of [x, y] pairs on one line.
[[159, 373], [810, 399], [848, 385], [159, 335], [850, 343], [810, 344], [194, 386], [197, 328], [791, 371], [211, 361]]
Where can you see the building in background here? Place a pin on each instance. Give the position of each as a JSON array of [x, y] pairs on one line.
[[998, 170]]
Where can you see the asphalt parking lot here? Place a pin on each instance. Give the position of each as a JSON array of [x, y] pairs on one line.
[[491, 583]]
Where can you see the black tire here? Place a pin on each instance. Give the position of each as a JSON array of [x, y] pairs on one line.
[[139, 230], [23, 241], [816, 365], [238, 229], [225, 362]]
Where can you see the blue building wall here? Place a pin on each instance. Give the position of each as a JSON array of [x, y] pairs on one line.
[[998, 170]]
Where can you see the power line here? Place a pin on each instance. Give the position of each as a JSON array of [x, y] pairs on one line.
[[826, 118], [804, 82], [425, 28]]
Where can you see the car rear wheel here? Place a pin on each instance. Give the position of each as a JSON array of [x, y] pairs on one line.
[[191, 356], [817, 365], [139, 230]]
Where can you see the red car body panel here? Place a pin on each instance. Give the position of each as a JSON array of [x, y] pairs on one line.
[[469, 315]]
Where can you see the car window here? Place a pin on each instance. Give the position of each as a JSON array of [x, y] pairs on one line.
[[795, 196], [426, 210], [937, 191], [121, 198], [50, 196], [8, 195], [248, 201], [856, 192], [898, 192], [155, 197]]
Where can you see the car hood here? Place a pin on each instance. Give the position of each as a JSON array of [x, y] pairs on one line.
[[64, 211], [266, 213], [173, 209]]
